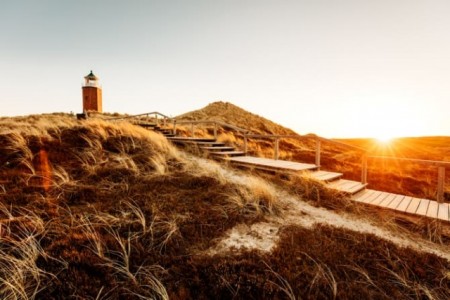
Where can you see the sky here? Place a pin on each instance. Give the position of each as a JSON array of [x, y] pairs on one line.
[[347, 68]]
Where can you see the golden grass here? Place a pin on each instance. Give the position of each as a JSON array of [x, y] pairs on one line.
[[127, 215], [112, 197]]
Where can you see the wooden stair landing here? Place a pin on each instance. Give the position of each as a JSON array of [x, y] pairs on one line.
[[191, 140], [272, 164], [325, 175], [217, 148], [405, 204], [347, 186]]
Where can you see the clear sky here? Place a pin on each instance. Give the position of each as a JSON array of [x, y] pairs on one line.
[[336, 68]]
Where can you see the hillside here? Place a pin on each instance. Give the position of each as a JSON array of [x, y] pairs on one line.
[[98, 210]]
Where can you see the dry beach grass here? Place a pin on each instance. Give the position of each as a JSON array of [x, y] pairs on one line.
[[99, 210]]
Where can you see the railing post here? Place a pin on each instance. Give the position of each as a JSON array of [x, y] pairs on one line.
[[192, 130], [164, 121], [441, 181], [318, 144], [364, 169], [215, 130], [156, 119], [277, 148], [175, 127], [245, 144]]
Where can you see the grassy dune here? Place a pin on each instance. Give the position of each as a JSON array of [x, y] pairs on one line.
[[98, 210]]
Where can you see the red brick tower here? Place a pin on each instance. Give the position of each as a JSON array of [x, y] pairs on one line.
[[92, 94]]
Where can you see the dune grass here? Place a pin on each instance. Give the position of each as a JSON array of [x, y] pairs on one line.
[[98, 210], [113, 204]]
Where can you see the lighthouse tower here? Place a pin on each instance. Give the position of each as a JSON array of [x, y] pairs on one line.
[[92, 94]]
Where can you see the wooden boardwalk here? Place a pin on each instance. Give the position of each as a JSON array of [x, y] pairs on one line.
[[357, 190], [332, 178], [405, 204]]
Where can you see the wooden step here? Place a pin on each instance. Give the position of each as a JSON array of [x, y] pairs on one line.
[[347, 186], [146, 125], [218, 148], [228, 153], [212, 144], [190, 140], [164, 130], [325, 175], [271, 164]]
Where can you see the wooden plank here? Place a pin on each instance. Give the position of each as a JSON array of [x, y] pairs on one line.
[[189, 139], [218, 148], [396, 201], [219, 144], [262, 163], [280, 164], [342, 184], [228, 153], [379, 199], [432, 211], [361, 196], [386, 201], [350, 185], [404, 204], [412, 208], [423, 207], [338, 185], [357, 188], [443, 211], [372, 197], [325, 176]]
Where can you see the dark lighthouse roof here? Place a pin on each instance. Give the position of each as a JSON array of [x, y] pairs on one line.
[[91, 76]]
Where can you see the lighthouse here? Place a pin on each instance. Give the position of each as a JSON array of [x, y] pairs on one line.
[[92, 94]]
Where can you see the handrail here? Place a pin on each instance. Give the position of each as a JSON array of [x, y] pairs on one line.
[[364, 159], [438, 163], [291, 136], [139, 115], [442, 165]]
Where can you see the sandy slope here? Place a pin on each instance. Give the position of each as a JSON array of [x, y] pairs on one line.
[[264, 235]]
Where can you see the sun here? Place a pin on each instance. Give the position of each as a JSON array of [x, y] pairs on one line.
[[384, 139]]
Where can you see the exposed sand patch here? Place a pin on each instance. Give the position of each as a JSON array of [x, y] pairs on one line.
[[264, 236]]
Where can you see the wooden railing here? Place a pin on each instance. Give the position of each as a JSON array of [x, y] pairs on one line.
[[441, 166], [156, 116], [246, 135], [213, 122]]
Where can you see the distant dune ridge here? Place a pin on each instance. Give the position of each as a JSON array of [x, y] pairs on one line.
[[91, 209], [230, 113]]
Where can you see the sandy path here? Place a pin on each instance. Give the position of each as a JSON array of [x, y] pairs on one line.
[[264, 236]]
